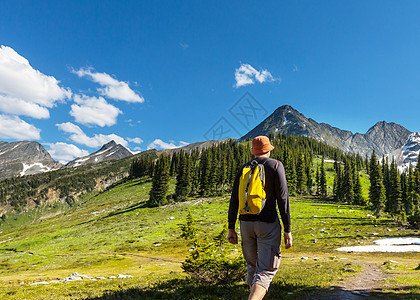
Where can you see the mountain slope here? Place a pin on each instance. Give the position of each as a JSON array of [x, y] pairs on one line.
[[24, 158], [409, 152], [108, 151], [383, 137]]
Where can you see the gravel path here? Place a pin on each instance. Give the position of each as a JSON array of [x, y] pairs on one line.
[[355, 287]]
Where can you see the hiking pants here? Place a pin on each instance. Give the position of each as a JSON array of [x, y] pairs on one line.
[[261, 250]]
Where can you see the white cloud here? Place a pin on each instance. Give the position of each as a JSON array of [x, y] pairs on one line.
[[12, 127], [112, 88], [246, 75], [136, 140], [16, 106], [78, 136], [159, 144], [94, 111], [64, 152], [24, 90]]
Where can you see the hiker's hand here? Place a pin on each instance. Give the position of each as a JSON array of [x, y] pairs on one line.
[[288, 240], [232, 237]]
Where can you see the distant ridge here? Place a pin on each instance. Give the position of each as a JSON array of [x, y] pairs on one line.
[[24, 158], [109, 151], [383, 137]]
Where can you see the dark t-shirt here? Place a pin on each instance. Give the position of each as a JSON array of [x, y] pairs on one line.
[[276, 191]]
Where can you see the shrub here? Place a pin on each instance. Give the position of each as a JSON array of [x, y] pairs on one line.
[[209, 261], [188, 229]]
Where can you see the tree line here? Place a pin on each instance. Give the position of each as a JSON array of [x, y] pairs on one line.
[[211, 172]]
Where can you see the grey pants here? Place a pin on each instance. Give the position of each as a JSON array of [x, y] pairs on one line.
[[261, 249]]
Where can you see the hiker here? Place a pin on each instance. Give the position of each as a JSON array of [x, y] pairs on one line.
[[259, 222]]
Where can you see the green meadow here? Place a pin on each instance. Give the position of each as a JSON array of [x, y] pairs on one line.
[[114, 232]]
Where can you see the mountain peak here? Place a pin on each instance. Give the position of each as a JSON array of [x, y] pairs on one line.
[[287, 109], [109, 145], [109, 151]]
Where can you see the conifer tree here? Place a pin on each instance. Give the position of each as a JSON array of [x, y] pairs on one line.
[[317, 181], [386, 179], [290, 170], [323, 181], [413, 196], [205, 171], [183, 178], [357, 189], [417, 175], [309, 181], [377, 189], [194, 172], [214, 169], [337, 184], [300, 174], [348, 182], [404, 194], [223, 169], [174, 164], [160, 182], [393, 203]]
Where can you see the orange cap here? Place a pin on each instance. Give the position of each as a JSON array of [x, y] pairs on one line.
[[260, 145]]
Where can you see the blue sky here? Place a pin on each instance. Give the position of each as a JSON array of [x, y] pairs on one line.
[[75, 74]]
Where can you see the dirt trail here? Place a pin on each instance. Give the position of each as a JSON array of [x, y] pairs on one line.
[[355, 287]]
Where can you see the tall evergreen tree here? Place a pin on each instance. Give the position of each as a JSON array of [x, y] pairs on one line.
[[309, 181], [317, 181], [183, 178], [160, 182], [377, 189], [404, 194], [417, 175], [338, 185], [300, 174], [413, 196], [348, 182], [393, 203], [357, 188], [290, 170], [323, 181]]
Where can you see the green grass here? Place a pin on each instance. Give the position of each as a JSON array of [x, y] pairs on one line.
[[114, 232]]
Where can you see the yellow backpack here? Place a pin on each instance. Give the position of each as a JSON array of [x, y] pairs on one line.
[[251, 191]]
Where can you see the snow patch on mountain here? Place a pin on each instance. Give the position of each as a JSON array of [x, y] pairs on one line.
[[409, 152], [34, 168]]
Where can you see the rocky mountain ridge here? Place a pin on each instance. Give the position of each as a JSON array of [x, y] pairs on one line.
[[109, 151], [24, 158], [383, 137]]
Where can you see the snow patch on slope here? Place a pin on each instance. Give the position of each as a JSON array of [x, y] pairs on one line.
[[409, 152], [408, 244], [33, 169]]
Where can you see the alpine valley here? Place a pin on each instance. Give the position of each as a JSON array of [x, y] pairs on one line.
[[386, 139]]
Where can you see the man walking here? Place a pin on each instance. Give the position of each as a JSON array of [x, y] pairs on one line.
[[261, 231]]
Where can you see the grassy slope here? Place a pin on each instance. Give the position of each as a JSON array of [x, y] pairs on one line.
[[113, 233]]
